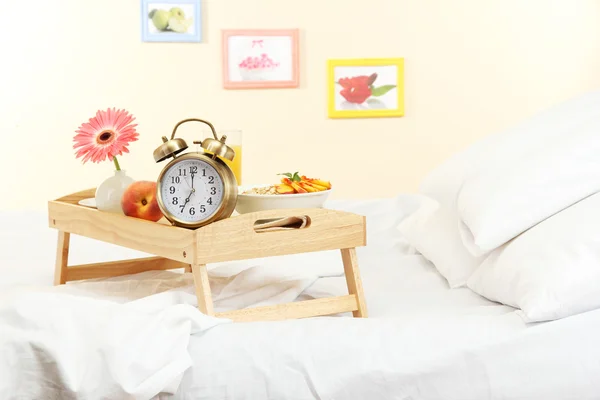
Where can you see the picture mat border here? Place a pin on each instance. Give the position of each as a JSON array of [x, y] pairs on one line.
[[171, 37], [293, 83], [365, 62]]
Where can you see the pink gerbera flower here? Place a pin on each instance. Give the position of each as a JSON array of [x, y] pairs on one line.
[[105, 136]]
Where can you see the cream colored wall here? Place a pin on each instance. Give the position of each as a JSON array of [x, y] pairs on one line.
[[472, 67]]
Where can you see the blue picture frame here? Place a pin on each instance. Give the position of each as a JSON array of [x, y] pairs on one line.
[[148, 36]]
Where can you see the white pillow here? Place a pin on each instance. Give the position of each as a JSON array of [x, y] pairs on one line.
[[444, 183], [509, 198], [432, 230], [551, 271]]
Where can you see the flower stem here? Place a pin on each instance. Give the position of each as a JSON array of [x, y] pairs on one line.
[[117, 166]]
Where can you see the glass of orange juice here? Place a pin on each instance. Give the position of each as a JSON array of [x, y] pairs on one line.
[[234, 140]]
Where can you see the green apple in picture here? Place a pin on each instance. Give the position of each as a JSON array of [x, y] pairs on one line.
[[177, 13], [160, 19], [179, 25]]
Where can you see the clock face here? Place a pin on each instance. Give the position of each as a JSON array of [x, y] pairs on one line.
[[191, 190]]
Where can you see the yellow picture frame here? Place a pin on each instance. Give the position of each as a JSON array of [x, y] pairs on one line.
[[356, 97]]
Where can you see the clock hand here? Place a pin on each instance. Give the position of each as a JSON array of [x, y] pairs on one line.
[[188, 198], [188, 185]]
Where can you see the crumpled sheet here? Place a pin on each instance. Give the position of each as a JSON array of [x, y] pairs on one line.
[[119, 338]]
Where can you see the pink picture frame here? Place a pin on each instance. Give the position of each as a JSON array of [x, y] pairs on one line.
[[260, 58]]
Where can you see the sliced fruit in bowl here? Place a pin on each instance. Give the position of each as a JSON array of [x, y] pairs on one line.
[[294, 183], [294, 191]]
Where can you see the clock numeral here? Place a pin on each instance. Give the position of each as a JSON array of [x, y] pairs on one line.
[[182, 207], [175, 201], [211, 179], [192, 211], [202, 208], [203, 172], [209, 201], [182, 172], [213, 190], [172, 189], [175, 179], [193, 170]]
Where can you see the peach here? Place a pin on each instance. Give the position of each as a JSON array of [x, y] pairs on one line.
[[284, 189], [139, 201]]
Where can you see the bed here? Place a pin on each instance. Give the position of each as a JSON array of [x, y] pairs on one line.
[[482, 286], [422, 340]]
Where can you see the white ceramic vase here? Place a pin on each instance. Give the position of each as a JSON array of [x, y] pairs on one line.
[[109, 193]]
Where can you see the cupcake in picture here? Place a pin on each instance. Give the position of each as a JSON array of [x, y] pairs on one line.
[[258, 67]]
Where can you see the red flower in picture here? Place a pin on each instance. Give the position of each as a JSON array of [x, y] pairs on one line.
[[357, 89]]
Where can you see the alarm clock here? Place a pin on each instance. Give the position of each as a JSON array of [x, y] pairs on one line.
[[195, 188]]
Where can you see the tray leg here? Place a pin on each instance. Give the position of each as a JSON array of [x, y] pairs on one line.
[[205, 303], [62, 258], [354, 282]]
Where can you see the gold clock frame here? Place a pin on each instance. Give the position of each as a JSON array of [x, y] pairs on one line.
[[217, 148], [230, 190]]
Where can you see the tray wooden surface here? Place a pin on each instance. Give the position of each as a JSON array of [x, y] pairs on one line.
[[226, 240]]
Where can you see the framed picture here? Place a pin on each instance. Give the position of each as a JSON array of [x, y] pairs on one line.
[[171, 21], [260, 59], [365, 88]]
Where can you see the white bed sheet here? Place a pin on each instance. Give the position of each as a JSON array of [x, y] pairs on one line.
[[422, 340]]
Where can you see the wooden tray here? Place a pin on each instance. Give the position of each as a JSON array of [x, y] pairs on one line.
[[226, 240]]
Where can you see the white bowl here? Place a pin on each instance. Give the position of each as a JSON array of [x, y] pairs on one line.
[[247, 203]]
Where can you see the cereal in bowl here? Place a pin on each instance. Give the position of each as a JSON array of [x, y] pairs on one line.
[[262, 190]]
